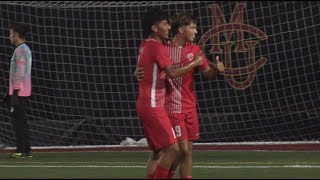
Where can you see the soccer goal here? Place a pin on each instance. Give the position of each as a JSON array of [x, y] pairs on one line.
[[85, 52]]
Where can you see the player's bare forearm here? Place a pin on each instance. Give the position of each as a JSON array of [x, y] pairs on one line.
[[180, 71]]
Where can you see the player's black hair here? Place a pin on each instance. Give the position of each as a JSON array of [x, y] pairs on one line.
[[21, 29], [153, 16]]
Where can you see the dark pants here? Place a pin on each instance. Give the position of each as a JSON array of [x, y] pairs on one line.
[[21, 126]]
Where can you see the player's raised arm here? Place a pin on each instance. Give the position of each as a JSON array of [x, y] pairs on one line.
[[177, 72], [170, 70]]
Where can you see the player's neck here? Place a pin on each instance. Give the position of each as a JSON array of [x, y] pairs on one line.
[[20, 41], [156, 38], [178, 41]]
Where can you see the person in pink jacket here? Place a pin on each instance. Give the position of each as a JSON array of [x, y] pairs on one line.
[[20, 88]]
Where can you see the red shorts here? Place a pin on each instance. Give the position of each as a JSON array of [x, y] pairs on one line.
[[157, 126], [186, 125]]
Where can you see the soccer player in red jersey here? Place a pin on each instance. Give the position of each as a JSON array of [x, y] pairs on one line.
[[156, 64], [180, 102]]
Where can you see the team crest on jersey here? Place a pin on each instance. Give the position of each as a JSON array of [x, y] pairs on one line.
[[190, 56]]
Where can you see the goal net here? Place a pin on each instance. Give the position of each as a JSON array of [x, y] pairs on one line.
[[85, 52]]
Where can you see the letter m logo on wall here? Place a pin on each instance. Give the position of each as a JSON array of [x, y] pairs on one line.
[[227, 29]]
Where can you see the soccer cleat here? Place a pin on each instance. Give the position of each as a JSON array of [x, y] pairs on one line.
[[21, 155], [17, 155]]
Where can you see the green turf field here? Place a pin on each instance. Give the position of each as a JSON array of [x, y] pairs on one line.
[[207, 165]]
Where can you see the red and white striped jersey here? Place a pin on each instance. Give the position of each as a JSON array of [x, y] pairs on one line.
[[153, 58], [181, 96]]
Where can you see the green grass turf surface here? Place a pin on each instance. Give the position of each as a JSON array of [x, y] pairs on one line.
[[207, 165]]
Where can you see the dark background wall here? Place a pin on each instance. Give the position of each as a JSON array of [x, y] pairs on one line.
[[84, 91]]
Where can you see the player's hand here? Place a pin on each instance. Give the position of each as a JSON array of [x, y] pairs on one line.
[[14, 99], [139, 73], [5, 98], [213, 66], [198, 61], [219, 64]]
